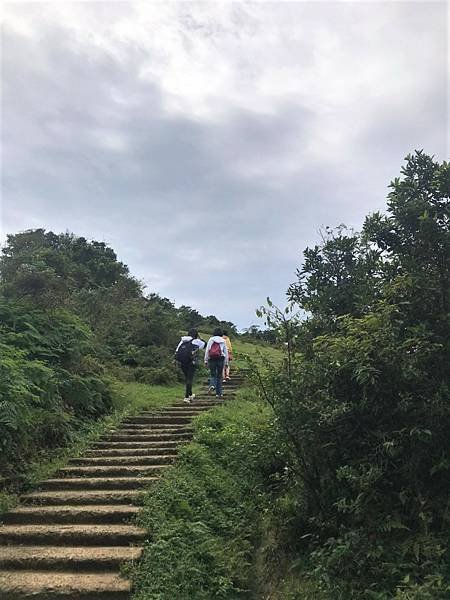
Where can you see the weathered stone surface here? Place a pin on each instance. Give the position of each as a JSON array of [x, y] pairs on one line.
[[110, 470], [98, 483], [71, 514], [162, 419], [66, 498], [146, 437], [72, 535], [91, 461], [111, 445], [49, 585], [73, 557], [137, 450]]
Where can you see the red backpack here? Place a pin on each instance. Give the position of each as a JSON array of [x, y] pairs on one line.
[[215, 351]]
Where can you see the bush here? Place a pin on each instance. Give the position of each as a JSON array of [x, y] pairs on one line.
[[48, 382], [157, 376]]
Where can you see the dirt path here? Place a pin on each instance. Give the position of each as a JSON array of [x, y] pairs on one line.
[[68, 540]]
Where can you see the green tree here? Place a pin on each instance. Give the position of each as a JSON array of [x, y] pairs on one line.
[[48, 267], [366, 408], [339, 277]]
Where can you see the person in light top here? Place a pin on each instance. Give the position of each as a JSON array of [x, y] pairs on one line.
[[186, 354], [216, 357], [226, 369]]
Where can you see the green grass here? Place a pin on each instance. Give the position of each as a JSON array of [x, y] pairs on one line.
[[7, 501], [134, 397], [258, 352]]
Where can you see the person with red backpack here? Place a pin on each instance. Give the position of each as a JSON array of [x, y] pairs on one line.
[[216, 357], [187, 356]]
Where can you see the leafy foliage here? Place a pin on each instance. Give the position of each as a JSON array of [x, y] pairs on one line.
[[364, 405], [49, 379]]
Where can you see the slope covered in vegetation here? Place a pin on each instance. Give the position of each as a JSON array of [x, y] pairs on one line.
[[72, 319]]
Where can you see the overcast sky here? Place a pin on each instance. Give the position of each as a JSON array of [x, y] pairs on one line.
[[208, 143]]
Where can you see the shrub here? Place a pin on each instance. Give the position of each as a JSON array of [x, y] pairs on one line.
[[47, 387], [157, 376]]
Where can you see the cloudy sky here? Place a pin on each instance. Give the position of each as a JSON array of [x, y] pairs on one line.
[[209, 142]]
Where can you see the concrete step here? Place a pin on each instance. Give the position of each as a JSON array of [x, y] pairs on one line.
[[93, 515], [76, 558], [72, 535], [200, 396], [147, 437], [142, 445], [110, 470], [230, 384], [143, 424], [187, 409], [211, 403], [132, 431], [95, 461], [134, 451], [166, 420], [149, 430], [59, 585], [67, 498], [97, 483]]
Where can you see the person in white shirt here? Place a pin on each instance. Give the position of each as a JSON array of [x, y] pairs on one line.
[[216, 357], [187, 356]]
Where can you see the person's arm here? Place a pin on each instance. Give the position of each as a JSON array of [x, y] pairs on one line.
[[208, 346], [176, 349], [200, 343], [225, 352]]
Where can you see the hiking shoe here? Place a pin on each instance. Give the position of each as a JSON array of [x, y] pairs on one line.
[[191, 398], [211, 389], [187, 400]]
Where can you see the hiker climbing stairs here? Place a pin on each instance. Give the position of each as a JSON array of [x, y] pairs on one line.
[[68, 539]]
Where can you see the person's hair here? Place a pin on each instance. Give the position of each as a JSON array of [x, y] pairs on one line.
[[193, 333], [224, 332], [218, 331]]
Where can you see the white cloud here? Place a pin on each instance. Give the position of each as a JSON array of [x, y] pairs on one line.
[[162, 126]]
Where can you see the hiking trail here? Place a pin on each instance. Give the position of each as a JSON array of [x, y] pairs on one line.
[[68, 539]]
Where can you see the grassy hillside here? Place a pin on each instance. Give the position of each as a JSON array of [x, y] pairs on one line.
[[258, 352]]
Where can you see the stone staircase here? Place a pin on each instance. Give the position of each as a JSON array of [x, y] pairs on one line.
[[68, 540]]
